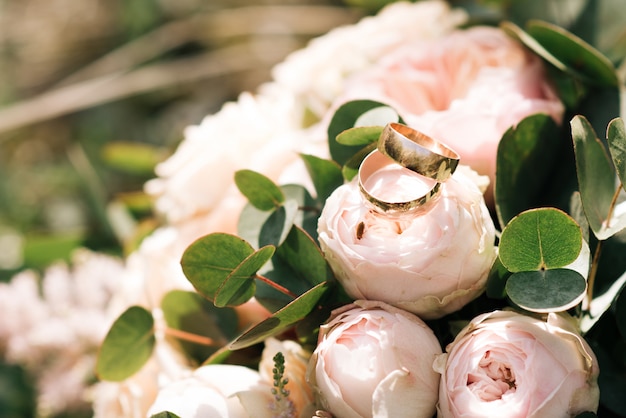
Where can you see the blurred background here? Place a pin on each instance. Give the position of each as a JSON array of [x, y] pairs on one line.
[[94, 93]]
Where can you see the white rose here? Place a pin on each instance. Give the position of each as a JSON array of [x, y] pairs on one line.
[[374, 360], [217, 391], [430, 264]]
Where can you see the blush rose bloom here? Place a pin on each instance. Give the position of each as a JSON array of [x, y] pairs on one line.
[[429, 264], [374, 360], [508, 364], [465, 89]]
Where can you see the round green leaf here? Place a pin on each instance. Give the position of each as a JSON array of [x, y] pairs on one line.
[[127, 346], [240, 286], [259, 190], [546, 290], [211, 259], [539, 239]]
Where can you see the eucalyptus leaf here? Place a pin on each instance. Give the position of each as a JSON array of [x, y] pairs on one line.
[[190, 312], [282, 320], [239, 286], [524, 162], [210, 260], [304, 256], [326, 175], [596, 178], [127, 346], [344, 118], [577, 55], [551, 290], [351, 167], [540, 239], [616, 139], [565, 51], [259, 190], [276, 226], [253, 223], [361, 135]]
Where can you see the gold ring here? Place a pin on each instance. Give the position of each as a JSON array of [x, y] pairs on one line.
[[418, 152], [376, 161]]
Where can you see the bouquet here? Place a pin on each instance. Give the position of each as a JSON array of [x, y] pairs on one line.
[[432, 240], [421, 215]]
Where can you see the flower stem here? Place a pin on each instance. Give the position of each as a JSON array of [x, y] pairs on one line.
[[596, 256], [194, 338], [276, 286]]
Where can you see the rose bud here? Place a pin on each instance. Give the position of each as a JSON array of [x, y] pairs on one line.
[[505, 364], [374, 360], [429, 263]]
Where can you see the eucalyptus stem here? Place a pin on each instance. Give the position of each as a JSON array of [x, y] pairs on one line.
[[596, 256], [194, 338], [276, 286]]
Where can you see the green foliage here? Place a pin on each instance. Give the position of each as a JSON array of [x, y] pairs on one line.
[[191, 313], [326, 175], [536, 247], [127, 346], [223, 267], [262, 193], [351, 115], [283, 319], [540, 239], [596, 177], [525, 159]]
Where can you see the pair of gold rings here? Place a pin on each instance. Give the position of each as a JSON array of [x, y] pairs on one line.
[[400, 144]]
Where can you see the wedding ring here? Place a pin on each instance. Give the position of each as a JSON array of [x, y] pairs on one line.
[[418, 152], [376, 161]]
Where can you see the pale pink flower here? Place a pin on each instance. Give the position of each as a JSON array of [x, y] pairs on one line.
[[374, 360], [465, 89], [509, 364], [429, 263]]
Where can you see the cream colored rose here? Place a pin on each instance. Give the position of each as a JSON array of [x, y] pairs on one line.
[[374, 360], [429, 264], [219, 391], [465, 89], [505, 364]]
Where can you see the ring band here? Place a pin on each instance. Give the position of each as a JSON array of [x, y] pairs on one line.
[[375, 161], [418, 152]]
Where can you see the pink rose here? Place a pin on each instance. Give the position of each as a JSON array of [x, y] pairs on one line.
[[465, 89], [505, 364], [430, 264], [373, 360]]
